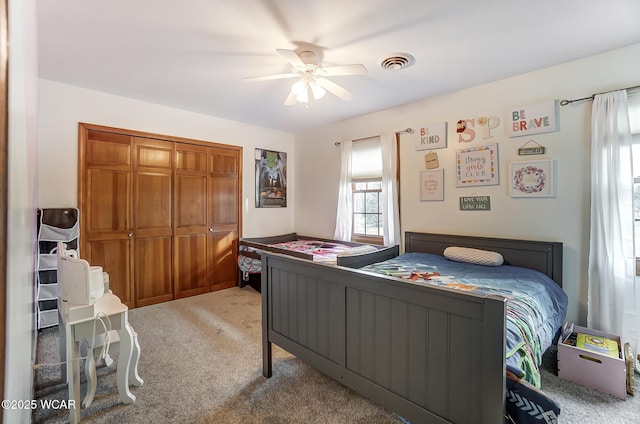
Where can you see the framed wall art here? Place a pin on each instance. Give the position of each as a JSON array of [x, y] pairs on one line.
[[477, 166], [432, 185], [532, 178], [271, 179], [475, 203], [533, 119], [432, 136]]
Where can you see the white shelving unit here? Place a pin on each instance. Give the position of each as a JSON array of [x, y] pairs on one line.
[[54, 225]]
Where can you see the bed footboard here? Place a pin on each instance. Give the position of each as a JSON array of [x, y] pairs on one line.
[[431, 355]]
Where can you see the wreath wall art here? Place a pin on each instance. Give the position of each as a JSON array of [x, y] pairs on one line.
[[532, 179]]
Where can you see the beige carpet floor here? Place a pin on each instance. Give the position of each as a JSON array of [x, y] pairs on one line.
[[202, 363]]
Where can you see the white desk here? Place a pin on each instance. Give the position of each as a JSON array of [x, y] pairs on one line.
[[73, 332]]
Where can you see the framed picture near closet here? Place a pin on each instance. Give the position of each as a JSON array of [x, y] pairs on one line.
[[532, 178], [271, 179]]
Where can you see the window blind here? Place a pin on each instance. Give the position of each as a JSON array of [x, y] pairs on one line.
[[366, 159]]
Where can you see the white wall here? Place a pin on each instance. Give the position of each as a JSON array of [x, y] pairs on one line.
[[563, 218], [62, 107], [22, 167]]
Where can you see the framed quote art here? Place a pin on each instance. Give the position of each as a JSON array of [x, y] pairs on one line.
[[533, 119], [477, 166], [432, 185], [432, 136], [532, 178]]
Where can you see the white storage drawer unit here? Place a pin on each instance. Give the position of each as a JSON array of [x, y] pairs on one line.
[[54, 225]]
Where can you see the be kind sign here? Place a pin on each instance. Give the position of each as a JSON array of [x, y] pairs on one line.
[[533, 119], [433, 136]]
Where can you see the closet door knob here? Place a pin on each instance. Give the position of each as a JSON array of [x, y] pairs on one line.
[[211, 230], [130, 234]]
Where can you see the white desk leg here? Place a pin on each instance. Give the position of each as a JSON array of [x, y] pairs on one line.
[[92, 379], [134, 377], [62, 334], [124, 361], [73, 375]]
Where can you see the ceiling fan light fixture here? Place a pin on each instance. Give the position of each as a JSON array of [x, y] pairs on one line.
[[318, 92], [308, 56], [301, 90], [303, 97], [312, 77]]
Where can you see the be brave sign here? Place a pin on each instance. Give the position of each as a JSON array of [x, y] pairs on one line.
[[533, 119]]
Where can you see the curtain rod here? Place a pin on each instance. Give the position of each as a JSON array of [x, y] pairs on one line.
[[565, 102], [406, 130]]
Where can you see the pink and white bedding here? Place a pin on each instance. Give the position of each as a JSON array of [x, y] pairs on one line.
[[321, 251]]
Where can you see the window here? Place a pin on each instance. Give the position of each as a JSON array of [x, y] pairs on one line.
[[367, 211], [366, 185], [374, 193]]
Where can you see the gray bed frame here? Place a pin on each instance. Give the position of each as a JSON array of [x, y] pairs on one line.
[[429, 354]]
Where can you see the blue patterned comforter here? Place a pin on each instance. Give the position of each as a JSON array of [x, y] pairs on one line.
[[536, 305]]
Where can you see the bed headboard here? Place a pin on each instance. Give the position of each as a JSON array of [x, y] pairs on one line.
[[542, 256]]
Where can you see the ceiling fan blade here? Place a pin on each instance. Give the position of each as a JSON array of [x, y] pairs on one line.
[[291, 99], [270, 77], [334, 88], [355, 69], [292, 57]]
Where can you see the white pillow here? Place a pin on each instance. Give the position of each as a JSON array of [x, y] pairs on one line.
[[474, 256], [358, 250]]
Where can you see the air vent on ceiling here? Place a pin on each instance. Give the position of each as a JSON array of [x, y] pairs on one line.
[[397, 61]]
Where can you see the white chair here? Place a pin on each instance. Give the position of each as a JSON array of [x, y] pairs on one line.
[[77, 281]]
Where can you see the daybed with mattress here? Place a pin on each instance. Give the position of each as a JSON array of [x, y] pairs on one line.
[[427, 337], [311, 248]]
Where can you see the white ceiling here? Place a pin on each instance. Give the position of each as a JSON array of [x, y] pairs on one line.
[[192, 54]]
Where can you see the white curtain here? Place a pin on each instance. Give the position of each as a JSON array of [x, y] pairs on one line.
[[345, 208], [612, 297], [389, 203]]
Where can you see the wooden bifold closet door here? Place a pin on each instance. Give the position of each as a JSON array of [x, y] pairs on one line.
[[152, 223], [206, 219], [160, 214]]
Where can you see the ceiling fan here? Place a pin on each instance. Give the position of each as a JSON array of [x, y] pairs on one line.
[[312, 77]]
